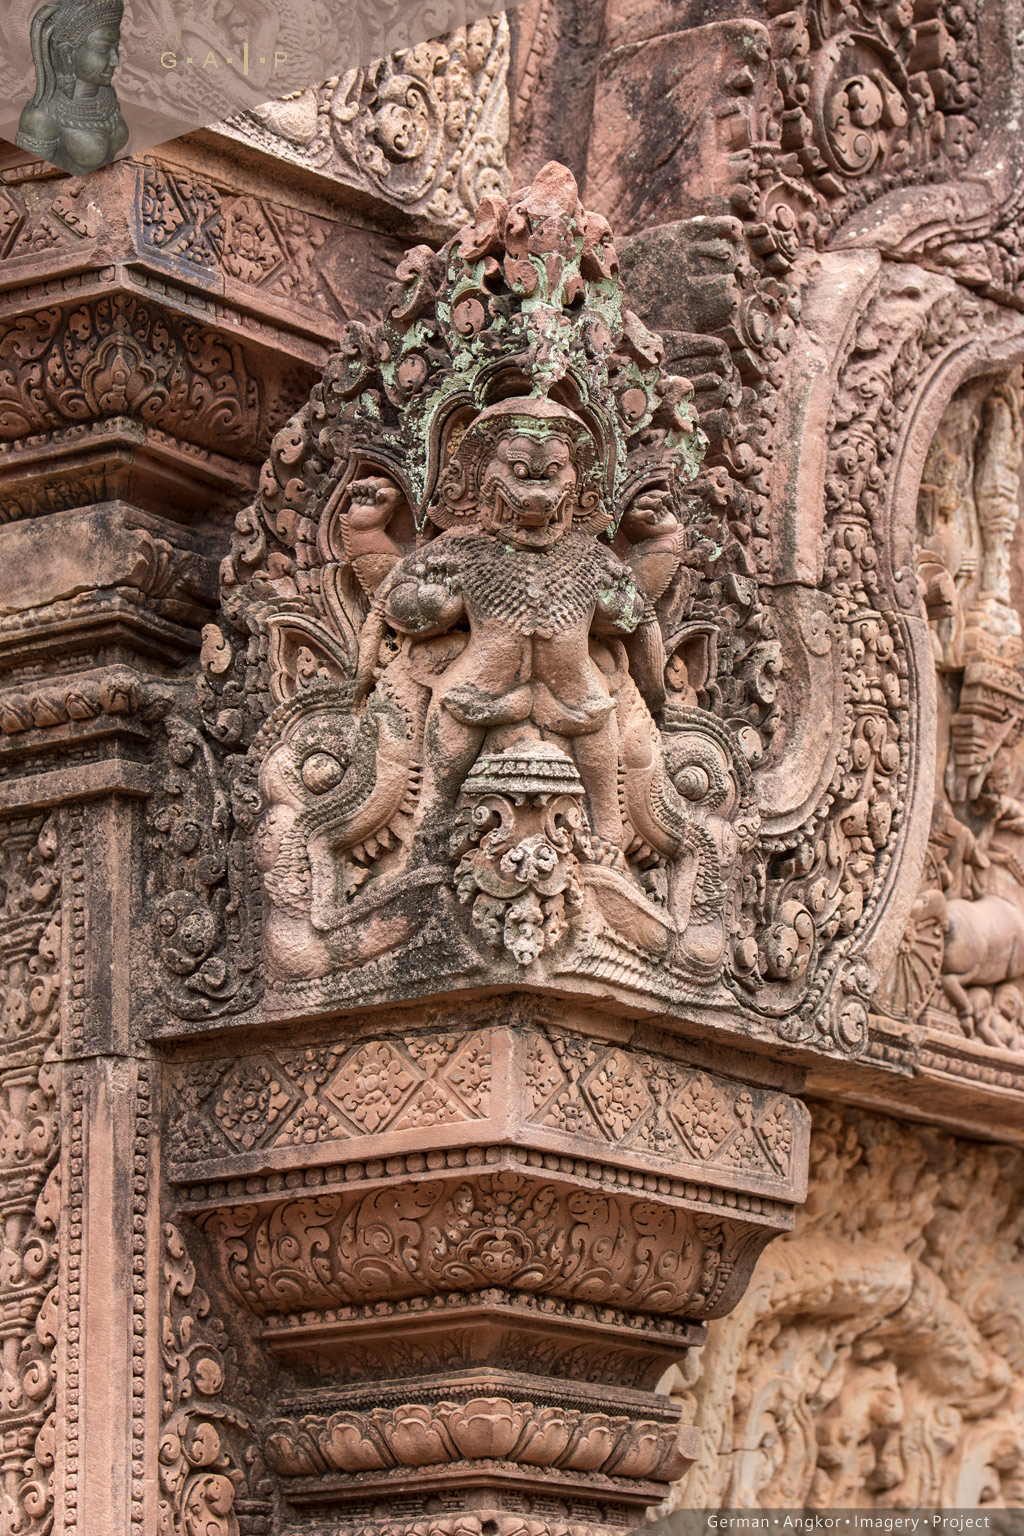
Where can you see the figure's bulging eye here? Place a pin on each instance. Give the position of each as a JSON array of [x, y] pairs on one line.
[[520, 471], [321, 771], [692, 782]]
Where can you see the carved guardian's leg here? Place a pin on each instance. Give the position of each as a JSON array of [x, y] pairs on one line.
[[594, 753]]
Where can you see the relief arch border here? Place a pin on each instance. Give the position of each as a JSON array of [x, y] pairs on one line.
[[846, 294], [996, 346]]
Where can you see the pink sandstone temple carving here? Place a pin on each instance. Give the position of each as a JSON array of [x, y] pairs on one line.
[[512, 790]]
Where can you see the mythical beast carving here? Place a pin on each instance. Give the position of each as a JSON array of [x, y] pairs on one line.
[[460, 572]]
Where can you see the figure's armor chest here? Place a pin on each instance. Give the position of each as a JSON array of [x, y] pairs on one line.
[[536, 593]]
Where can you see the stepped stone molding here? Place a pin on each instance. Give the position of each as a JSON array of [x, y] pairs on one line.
[[471, 1302]]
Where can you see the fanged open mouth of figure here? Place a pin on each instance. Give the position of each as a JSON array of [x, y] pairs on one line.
[[535, 522]]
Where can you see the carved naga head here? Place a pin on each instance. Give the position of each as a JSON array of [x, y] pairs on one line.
[[523, 469]]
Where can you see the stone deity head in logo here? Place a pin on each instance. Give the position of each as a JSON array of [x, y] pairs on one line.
[[74, 119]]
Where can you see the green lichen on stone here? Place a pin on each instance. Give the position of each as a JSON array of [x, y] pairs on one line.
[[525, 301]]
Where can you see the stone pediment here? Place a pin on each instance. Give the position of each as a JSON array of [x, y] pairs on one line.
[[493, 696]]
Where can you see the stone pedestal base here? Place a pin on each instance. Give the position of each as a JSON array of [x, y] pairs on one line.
[[467, 1248]]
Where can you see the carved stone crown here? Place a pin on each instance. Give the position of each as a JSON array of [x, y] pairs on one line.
[[74, 20]]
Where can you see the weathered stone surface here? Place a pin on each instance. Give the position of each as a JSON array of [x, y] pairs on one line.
[[875, 1360], [485, 729]]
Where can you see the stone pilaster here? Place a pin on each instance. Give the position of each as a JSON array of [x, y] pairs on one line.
[[465, 1244]]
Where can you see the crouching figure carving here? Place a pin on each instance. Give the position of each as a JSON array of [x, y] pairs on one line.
[[474, 753]]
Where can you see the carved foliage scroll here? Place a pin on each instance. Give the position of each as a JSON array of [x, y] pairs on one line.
[[465, 1233], [874, 96], [29, 1169], [119, 356], [841, 864], [199, 884], [426, 128], [825, 108], [210, 1474]]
